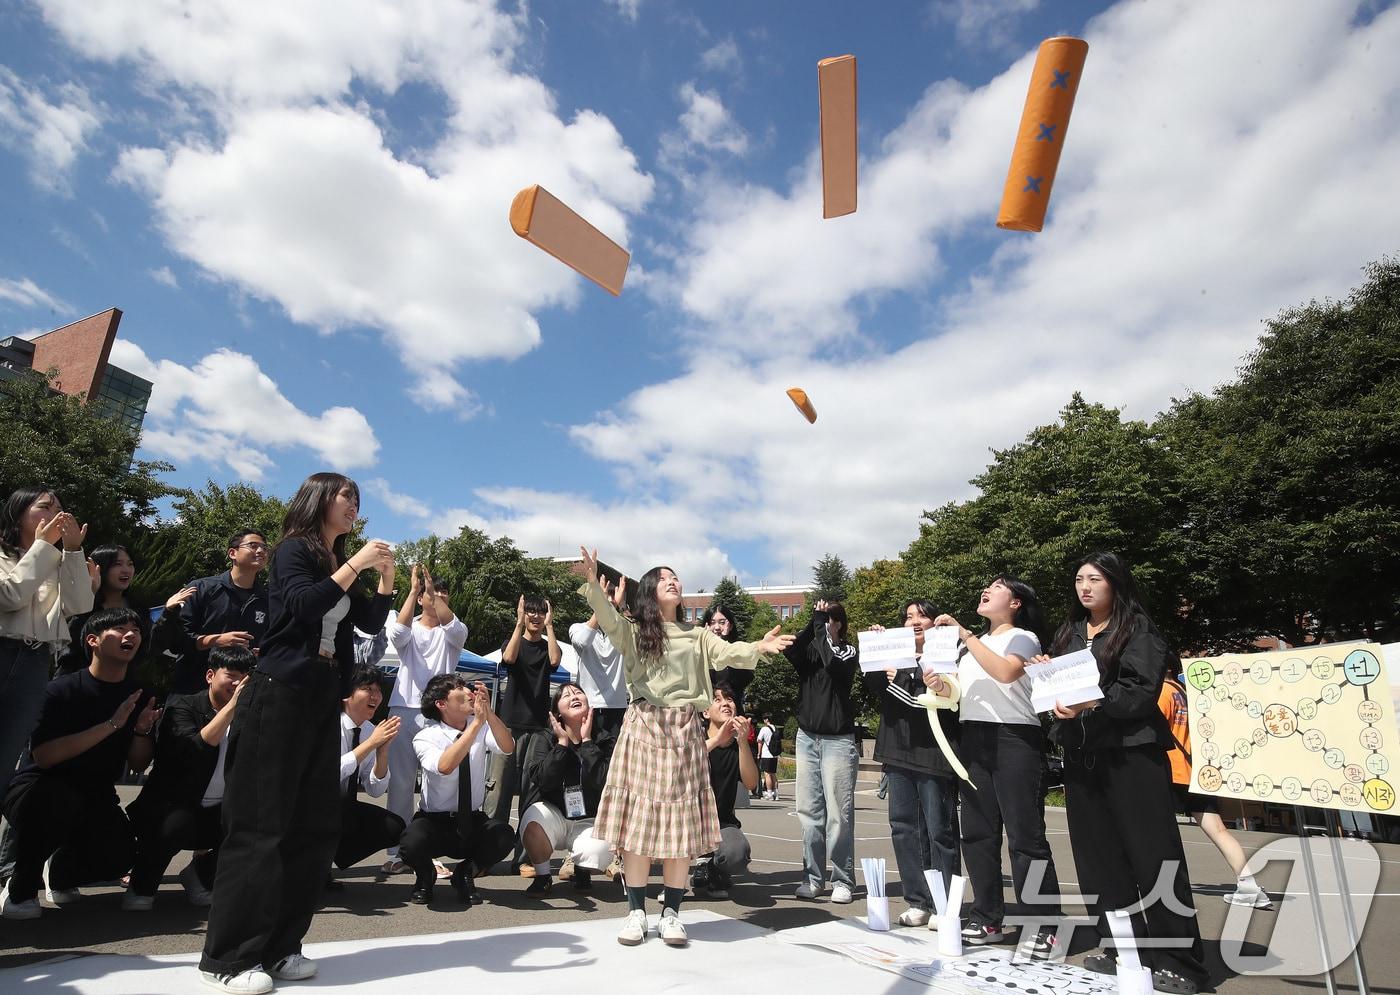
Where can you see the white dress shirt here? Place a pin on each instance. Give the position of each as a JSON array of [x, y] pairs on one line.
[[374, 786], [440, 790], [424, 653], [600, 671]]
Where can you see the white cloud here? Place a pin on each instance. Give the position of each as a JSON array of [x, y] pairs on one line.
[[1178, 222], [165, 277], [627, 8], [399, 504], [26, 293], [708, 124], [721, 57], [225, 410], [985, 24], [300, 200], [50, 133]]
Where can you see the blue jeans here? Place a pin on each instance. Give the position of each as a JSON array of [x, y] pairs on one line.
[[24, 674], [923, 830], [826, 805]]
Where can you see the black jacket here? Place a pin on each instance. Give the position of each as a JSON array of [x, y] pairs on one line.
[[299, 593], [184, 762], [583, 764], [905, 738], [1129, 715], [825, 674], [214, 608]]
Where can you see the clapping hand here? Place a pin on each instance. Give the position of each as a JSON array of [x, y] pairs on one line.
[[590, 564], [385, 732], [179, 598], [561, 735], [150, 715]]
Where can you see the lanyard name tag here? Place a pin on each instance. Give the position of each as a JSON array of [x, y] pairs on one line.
[[573, 802]]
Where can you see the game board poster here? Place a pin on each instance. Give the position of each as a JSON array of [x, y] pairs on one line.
[[1309, 726]]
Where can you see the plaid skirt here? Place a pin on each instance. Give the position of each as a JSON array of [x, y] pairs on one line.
[[658, 801]]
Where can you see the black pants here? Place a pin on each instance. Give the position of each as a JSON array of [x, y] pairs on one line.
[[434, 834], [81, 827], [162, 831], [530, 747], [1004, 762], [1122, 828], [281, 820], [365, 829], [609, 719]]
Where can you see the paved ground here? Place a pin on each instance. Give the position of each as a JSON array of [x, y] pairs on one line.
[[370, 908]]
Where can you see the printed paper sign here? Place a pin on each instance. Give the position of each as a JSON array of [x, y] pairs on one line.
[[940, 650], [880, 650], [1070, 679]]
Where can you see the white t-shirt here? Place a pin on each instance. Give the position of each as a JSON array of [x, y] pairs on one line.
[[214, 790], [374, 786], [331, 621], [765, 736], [986, 699], [440, 790], [600, 671], [424, 653]]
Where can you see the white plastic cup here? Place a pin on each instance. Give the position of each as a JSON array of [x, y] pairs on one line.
[[877, 913], [1134, 980], [950, 935]]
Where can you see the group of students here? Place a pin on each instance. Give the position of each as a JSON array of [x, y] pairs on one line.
[[641, 759]]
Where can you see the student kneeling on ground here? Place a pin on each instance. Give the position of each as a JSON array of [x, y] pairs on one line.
[[364, 762], [63, 803], [451, 749], [181, 806], [570, 779], [731, 763]]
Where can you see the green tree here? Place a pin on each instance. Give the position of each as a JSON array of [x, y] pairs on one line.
[[830, 577], [87, 459], [195, 542], [1290, 478], [487, 577]]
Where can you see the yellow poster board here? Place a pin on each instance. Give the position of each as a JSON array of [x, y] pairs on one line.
[[1309, 726]]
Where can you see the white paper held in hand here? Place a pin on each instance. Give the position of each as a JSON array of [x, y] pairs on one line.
[[880, 650], [1070, 679], [940, 650]]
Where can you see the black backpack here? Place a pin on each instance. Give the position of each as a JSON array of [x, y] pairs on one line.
[[775, 744]]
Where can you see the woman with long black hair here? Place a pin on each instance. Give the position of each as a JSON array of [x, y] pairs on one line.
[[44, 581], [1003, 748], [281, 797], [725, 624], [1118, 785], [116, 571], [658, 803]]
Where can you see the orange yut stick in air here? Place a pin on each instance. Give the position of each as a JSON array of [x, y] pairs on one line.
[[1054, 82], [836, 90], [543, 219], [804, 404]]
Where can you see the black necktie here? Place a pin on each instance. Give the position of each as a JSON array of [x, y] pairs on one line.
[[464, 794], [353, 788]]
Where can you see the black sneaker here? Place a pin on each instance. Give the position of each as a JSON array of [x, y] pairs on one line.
[[1042, 946], [978, 934], [540, 887], [1101, 963], [700, 877], [1173, 983], [464, 884], [421, 896], [719, 887], [583, 879]]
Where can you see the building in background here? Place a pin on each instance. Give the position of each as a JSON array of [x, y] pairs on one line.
[[78, 353]]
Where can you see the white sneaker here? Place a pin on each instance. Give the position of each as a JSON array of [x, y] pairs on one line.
[[132, 902], [671, 929], [634, 928], [293, 967], [254, 981], [912, 917], [10, 909], [58, 896], [840, 894], [1255, 899], [805, 890], [194, 888]]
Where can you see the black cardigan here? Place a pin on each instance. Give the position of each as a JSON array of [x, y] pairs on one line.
[[300, 592], [582, 764], [184, 762], [1128, 715], [824, 675]]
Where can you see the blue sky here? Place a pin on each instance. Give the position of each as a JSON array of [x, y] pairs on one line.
[[302, 211]]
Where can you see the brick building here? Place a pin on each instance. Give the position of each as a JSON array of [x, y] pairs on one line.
[[78, 352]]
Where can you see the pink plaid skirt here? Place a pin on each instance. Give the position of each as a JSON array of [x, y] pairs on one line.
[[658, 801]]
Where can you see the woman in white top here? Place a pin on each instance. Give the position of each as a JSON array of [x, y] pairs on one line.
[[1003, 745], [44, 581]]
